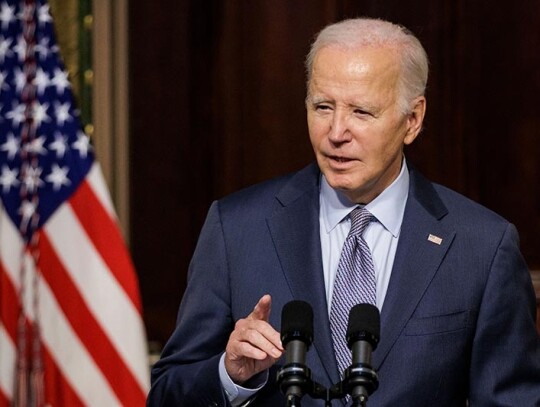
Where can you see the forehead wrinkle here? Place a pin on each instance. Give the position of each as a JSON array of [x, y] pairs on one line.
[[350, 98]]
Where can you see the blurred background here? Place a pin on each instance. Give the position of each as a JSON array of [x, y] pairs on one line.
[[190, 100]]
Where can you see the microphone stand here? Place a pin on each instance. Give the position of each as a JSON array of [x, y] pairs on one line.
[[295, 381], [293, 400], [360, 381]]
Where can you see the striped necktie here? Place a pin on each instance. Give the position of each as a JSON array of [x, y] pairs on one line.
[[355, 283]]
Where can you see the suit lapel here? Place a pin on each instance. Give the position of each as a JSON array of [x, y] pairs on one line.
[[423, 243], [294, 227]]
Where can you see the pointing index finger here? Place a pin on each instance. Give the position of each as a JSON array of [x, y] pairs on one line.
[[262, 309]]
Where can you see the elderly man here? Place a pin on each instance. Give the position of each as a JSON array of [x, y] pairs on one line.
[[456, 300]]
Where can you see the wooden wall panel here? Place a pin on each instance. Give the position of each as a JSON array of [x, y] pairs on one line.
[[501, 112], [164, 192], [217, 103]]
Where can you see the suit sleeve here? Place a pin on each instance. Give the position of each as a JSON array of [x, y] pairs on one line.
[[505, 364], [187, 373]]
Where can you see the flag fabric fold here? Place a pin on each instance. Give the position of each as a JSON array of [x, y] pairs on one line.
[[71, 329]]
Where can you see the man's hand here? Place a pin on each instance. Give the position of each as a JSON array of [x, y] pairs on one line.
[[254, 345]]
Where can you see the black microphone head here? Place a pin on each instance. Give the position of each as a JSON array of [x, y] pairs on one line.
[[364, 325], [297, 322]]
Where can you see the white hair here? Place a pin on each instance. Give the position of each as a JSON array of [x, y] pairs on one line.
[[368, 32]]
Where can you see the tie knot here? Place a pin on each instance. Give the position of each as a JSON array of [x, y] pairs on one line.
[[360, 218]]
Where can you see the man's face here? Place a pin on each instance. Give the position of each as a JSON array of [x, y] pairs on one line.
[[355, 125]]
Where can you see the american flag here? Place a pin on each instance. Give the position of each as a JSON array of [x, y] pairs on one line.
[[71, 331]]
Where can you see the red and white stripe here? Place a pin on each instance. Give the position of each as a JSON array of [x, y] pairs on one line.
[[93, 337]]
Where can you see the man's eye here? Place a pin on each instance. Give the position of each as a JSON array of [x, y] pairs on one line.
[[322, 107], [362, 112]]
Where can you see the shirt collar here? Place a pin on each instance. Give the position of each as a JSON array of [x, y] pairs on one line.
[[388, 207]]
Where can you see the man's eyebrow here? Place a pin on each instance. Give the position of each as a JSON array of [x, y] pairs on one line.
[[317, 99], [363, 106]]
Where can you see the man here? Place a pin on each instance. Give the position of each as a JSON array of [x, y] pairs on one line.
[[456, 299]]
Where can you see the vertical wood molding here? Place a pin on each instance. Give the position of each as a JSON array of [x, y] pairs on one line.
[[121, 122], [102, 97], [110, 102]]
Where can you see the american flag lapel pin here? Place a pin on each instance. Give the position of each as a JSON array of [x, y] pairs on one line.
[[434, 239]]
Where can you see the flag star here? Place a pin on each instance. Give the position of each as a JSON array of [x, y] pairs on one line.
[[60, 80], [7, 15], [44, 48], [44, 16], [41, 80], [36, 146], [82, 144], [11, 146], [62, 113], [59, 145], [27, 210], [20, 48], [39, 113], [58, 177], [5, 51], [32, 178], [8, 178], [20, 79], [16, 114]]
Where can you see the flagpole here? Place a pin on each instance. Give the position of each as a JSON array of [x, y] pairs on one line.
[[30, 380]]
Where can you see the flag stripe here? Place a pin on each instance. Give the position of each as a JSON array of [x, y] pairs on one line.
[[97, 184], [105, 235], [87, 328], [7, 364], [58, 391], [11, 244], [72, 358], [99, 289], [4, 400], [9, 304]]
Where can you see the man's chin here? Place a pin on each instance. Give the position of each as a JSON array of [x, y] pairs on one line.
[[341, 184], [340, 180], [349, 186]]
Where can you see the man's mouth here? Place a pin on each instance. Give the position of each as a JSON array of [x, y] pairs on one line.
[[340, 159]]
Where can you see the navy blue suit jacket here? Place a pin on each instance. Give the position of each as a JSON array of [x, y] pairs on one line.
[[458, 321]]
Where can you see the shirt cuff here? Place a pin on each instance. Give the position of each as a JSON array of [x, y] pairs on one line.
[[238, 394]]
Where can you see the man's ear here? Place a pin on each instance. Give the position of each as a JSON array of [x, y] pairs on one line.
[[415, 119]]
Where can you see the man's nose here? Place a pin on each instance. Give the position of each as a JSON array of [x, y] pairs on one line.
[[339, 128]]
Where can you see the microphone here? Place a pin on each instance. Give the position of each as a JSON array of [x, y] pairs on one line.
[[363, 332], [294, 377]]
